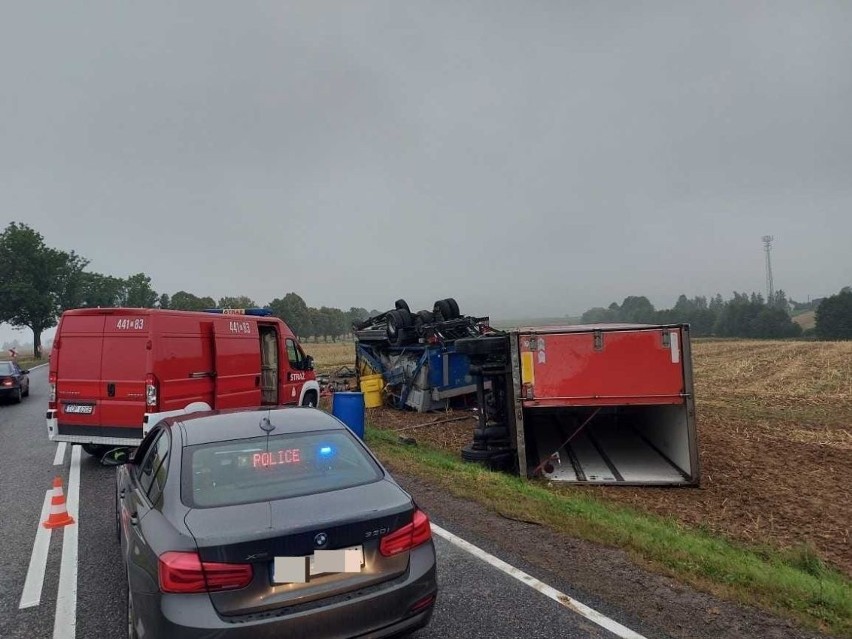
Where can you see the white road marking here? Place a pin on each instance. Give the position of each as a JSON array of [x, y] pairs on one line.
[[60, 454], [31, 595], [65, 621], [560, 597]]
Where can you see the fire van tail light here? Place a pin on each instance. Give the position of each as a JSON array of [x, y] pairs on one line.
[[184, 572], [418, 532], [151, 391], [51, 397]]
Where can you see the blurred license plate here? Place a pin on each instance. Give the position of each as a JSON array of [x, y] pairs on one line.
[[80, 409], [301, 569]]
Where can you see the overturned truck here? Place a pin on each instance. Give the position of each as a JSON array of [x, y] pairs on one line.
[[416, 356], [596, 404]]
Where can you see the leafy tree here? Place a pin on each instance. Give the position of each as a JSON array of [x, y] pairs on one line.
[[34, 280], [139, 293], [292, 309], [102, 290], [598, 315], [164, 301], [183, 301], [834, 316], [240, 301]]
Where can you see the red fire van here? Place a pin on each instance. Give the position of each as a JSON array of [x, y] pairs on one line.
[[114, 369]]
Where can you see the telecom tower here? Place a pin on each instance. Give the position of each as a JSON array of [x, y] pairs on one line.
[[770, 287]]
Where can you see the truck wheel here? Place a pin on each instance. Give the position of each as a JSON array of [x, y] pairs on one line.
[[401, 305], [454, 307], [310, 399], [398, 320], [490, 345]]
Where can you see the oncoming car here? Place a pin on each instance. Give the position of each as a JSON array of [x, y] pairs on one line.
[[14, 381], [268, 523]]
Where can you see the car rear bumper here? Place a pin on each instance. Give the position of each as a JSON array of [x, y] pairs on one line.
[[9, 391], [383, 612]]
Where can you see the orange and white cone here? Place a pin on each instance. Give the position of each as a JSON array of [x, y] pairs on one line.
[[58, 512]]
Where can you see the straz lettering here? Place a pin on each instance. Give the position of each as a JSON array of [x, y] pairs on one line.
[[276, 457], [130, 324], [297, 377], [241, 328]]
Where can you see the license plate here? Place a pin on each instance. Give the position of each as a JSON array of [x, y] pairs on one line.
[[322, 562], [79, 409]]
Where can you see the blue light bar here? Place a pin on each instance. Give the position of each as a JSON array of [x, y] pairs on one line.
[[259, 312]]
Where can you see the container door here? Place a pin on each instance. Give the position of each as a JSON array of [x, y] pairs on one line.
[[603, 367], [237, 361], [78, 371]]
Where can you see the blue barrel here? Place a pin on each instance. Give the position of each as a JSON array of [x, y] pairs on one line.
[[348, 407]]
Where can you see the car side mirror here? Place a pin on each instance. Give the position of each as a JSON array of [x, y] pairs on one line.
[[25, 371], [117, 456], [309, 363]]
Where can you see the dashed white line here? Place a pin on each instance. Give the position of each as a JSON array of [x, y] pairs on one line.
[[65, 621], [31, 595], [60, 454], [560, 597]]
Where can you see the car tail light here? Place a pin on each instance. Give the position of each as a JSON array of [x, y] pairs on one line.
[[409, 536], [151, 390], [7, 382], [184, 572], [422, 604], [51, 398]]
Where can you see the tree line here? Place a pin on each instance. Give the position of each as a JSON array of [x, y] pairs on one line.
[[38, 283], [742, 315]]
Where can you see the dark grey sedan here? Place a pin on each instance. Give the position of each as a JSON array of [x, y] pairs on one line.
[[269, 523], [14, 381]]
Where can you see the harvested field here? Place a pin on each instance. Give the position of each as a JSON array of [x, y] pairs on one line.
[[775, 433], [329, 356]]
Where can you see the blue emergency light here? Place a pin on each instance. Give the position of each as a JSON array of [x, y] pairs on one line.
[[259, 312], [326, 451]]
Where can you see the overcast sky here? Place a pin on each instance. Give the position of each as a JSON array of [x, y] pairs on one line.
[[527, 158]]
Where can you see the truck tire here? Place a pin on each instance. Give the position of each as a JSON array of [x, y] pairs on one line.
[[95, 450], [310, 399], [487, 345], [448, 308], [397, 321], [401, 305]]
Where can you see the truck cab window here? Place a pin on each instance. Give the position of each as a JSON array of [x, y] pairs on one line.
[[294, 354]]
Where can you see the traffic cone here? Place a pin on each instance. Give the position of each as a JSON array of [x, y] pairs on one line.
[[58, 513]]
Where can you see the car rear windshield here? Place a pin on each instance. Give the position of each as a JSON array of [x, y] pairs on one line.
[[6, 368], [281, 466]]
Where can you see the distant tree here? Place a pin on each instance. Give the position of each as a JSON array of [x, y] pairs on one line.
[[183, 301], [164, 301], [34, 280], [240, 301], [99, 290], [637, 309], [598, 315], [292, 309], [139, 293], [834, 316]]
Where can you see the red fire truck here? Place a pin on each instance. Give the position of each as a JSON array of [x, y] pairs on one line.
[[114, 370]]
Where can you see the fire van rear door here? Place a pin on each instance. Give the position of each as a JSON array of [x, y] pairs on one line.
[[237, 361], [78, 372]]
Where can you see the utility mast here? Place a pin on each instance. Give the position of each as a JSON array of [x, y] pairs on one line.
[[770, 287]]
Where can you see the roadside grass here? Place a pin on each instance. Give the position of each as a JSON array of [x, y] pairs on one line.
[[793, 583], [329, 356], [28, 362]]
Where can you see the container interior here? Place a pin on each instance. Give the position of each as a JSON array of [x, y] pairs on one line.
[[631, 445]]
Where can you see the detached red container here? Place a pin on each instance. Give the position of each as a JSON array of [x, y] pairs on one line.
[[607, 403]]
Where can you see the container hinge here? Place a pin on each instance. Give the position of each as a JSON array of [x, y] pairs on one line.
[[599, 340], [667, 338]]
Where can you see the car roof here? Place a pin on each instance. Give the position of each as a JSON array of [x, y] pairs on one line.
[[224, 425]]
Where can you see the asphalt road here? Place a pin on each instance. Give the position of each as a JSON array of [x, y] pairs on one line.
[[475, 601]]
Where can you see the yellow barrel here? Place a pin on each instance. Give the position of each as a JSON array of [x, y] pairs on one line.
[[371, 386]]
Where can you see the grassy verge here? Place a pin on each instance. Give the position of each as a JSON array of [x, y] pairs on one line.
[[29, 362], [795, 584]]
